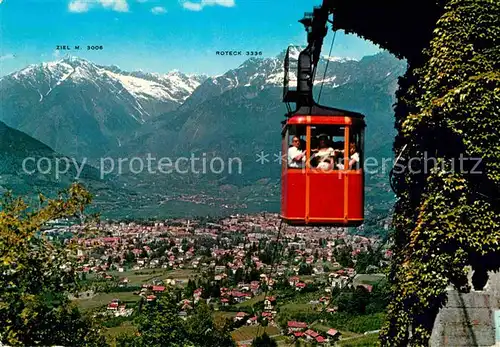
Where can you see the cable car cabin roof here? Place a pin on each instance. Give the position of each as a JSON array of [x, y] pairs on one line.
[[318, 114]]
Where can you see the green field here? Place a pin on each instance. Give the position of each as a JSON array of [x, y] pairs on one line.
[[302, 303], [309, 278], [252, 301], [301, 307], [250, 332], [143, 276], [283, 341], [221, 316], [361, 341], [136, 278], [102, 299], [125, 328], [368, 278]]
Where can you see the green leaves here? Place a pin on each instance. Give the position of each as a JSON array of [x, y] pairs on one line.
[[36, 275], [447, 217], [159, 325]]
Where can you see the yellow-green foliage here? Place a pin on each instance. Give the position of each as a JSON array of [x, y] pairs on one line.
[[36, 275]]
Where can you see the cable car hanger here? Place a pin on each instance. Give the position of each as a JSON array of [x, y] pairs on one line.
[[315, 24]]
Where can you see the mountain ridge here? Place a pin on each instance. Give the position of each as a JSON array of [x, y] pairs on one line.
[[92, 109]]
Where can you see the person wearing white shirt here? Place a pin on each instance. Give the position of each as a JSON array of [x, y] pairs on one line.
[[296, 156], [353, 159], [324, 154]]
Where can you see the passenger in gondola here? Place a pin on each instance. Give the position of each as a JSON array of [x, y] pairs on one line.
[[296, 155], [324, 154], [353, 159]]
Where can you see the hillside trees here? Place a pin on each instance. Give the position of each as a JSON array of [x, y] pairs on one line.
[[203, 332], [160, 325], [264, 341], [36, 275]]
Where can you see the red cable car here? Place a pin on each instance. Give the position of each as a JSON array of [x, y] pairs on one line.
[[324, 186], [322, 178]]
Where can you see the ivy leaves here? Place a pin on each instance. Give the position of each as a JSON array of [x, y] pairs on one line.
[[447, 217]]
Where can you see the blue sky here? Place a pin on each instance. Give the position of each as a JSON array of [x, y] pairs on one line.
[[158, 35]]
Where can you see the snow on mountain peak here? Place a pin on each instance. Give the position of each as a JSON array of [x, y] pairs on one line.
[[173, 86], [339, 59], [269, 72], [294, 52], [139, 87], [72, 58]]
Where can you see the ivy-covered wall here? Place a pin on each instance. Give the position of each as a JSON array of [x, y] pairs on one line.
[[447, 181]]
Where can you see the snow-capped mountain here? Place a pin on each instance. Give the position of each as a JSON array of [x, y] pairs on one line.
[[174, 85], [269, 73], [171, 89], [240, 108], [78, 107]]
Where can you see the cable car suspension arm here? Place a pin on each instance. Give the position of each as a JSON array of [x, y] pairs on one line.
[[315, 24]]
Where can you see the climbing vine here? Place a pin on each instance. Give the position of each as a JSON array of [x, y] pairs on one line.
[[447, 214]]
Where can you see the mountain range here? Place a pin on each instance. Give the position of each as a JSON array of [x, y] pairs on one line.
[[84, 110]]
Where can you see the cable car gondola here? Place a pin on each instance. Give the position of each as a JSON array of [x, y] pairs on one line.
[[322, 178]]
